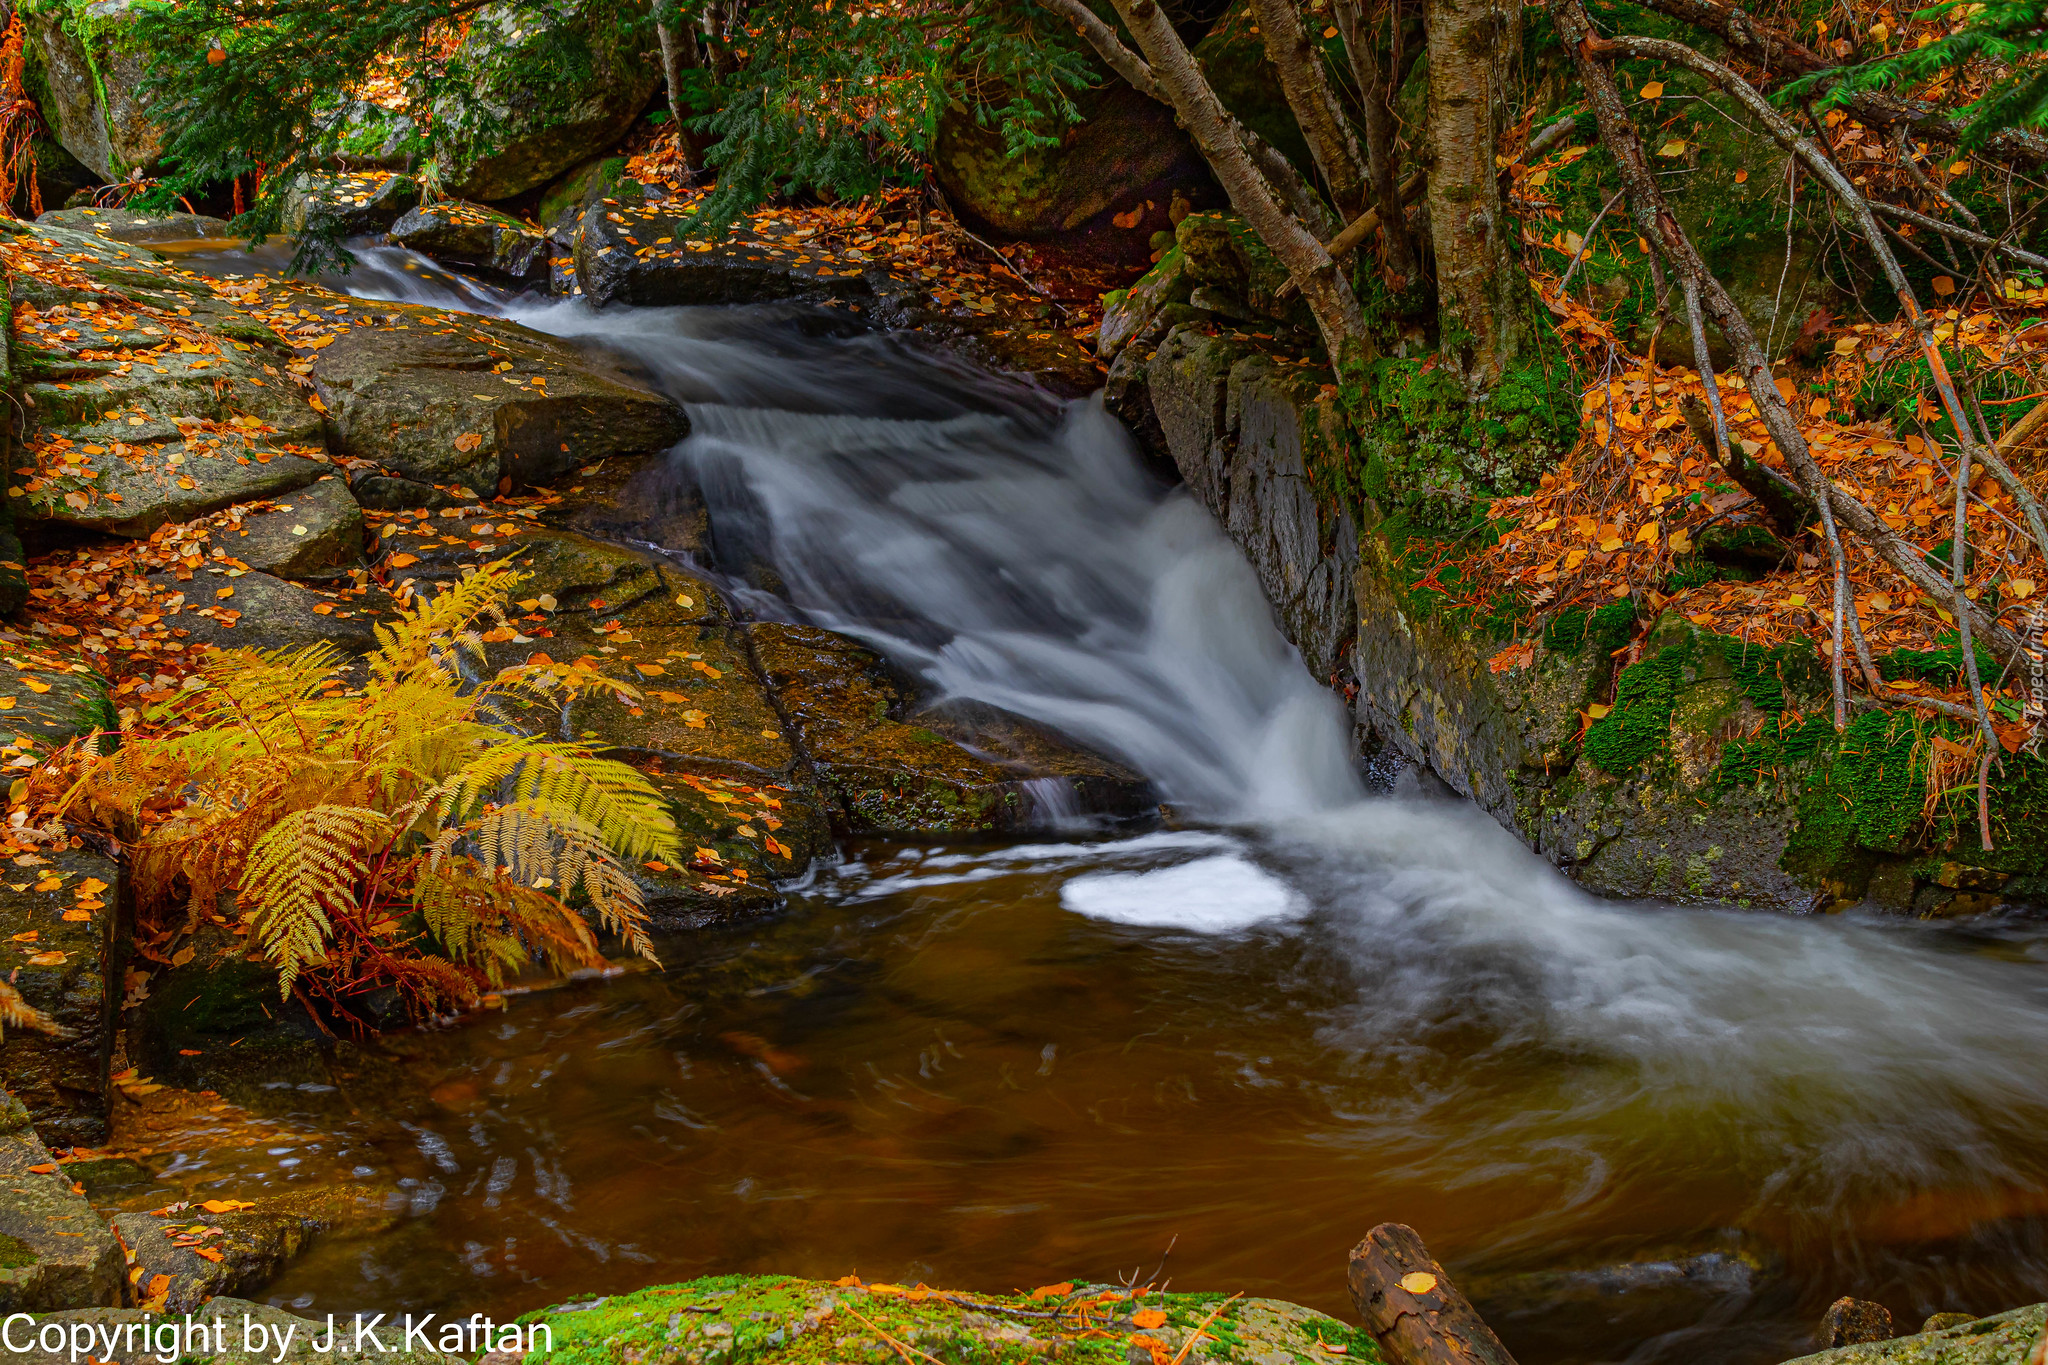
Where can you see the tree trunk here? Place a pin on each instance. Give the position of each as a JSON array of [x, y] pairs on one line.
[[1323, 286], [1308, 92], [1474, 47], [1412, 1309], [673, 62], [1375, 96]]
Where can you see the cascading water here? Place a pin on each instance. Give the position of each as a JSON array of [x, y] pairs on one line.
[[1374, 1007]]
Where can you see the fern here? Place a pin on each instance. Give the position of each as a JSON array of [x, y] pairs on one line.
[[398, 837]]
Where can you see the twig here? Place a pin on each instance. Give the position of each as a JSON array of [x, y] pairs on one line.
[[1586, 245], [1170, 1244], [1921, 178], [1196, 1335], [901, 1349]]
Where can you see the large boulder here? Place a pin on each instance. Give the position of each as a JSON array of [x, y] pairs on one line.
[[1127, 149], [55, 1253], [57, 913], [1995, 1340], [439, 400], [526, 131], [351, 203], [86, 79], [313, 533], [648, 254], [230, 1331]]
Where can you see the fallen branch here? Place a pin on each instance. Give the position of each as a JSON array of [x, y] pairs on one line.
[[1412, 1309], [1961, 234]]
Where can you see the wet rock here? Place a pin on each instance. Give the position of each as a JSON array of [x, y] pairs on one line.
[[890, 771], [1243, 277], [348, 203], [577, 584], [739, 838], [313, 533], [259, 611], [123, 225], [1126, 149], [232, 1326], [1941, 1322], [54, 1251], [2005, 1339], [1557, 1310], [57, 945], [565, 202], [252, 1245], [1855, 1322], [475, 237], [483, 402], [641, 254], [536, 136], [1243, 429], [91, 74], [1125, 313]]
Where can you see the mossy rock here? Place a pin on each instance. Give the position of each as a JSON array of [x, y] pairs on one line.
[[348, 203], [729, 1319], [313, 533], [2005, 1339], [1225, 256], [54, 1250], [88, 82], [475, 236]]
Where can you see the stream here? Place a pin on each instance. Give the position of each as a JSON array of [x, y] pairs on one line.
[[1303, 1009]]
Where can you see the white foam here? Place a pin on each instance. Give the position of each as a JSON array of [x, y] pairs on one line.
[[1207, 896]]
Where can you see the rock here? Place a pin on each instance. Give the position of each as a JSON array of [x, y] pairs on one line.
[[471, 235], [1233, 57], [1552, 1311], [55, 1252], [258, 611], [1242, 430], [68, 901], [2005, 1339], [121, 225], [1240, 277], [564, 203], [776, 1319], [437, 405], [588, 582], [191, 413], [1126, 149], [370, 137], [253, 1246], [348, 203], [313, 533], [889, 771], [89, 82], [238, 1332], [1126, 314], [1941, 1322], [537, 135], [641, 254], [1855, 1322]]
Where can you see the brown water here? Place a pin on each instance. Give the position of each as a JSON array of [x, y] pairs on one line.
[[929, 1069]]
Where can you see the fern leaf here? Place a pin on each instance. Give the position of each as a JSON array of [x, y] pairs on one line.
[[309, 862], [16, 1012]]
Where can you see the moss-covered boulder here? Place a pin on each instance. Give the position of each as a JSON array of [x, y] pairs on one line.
[[55, 1253], [1232, 273], [261, 611], [1126, 312], [2006, 1339], [1125, 150], [564, 203], [125, 225], [475, 237], [771, 1319], [651, 255], [524, 132], [86, 77], [442, 398], [238, 1332]]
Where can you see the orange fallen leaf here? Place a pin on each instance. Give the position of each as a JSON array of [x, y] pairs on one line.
[[1148, 1318], [47, 1168], [208, 1252], [403, 561], [1418, 1282], [226, 1205]]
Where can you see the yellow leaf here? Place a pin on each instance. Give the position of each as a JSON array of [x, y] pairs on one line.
[[1649, 532], [1797, 599], [224, 592], [35, 684], [53, 959], [226, 1205], [1943, 285], [1418, 1282], [1610, 545], [1598, 711], [1548, 525], [650, 670], [1675, 147], [1679, 542], [6, 703], [1652, 90], [2020, 589], [403, 561]]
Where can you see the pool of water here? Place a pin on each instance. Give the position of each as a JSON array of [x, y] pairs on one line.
[[1248, 1039]]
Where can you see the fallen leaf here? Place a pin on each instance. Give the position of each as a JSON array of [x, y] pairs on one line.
[[468, 441], [1418, 1282], [225, 1205], [1148, 1318]]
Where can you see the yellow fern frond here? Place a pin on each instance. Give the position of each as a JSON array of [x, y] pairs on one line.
[[422, 635], [309, 861], [16, 1012]]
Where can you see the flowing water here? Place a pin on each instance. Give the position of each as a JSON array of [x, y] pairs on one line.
[[1306, 1010]]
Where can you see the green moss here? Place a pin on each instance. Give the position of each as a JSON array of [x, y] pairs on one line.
[[1939, 666], [15, 1253], [1639, 726], [1606, 628], [1786, 740], [730, 1319], [1764, 673]]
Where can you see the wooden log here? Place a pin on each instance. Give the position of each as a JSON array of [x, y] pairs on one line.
[[1411, 1307]]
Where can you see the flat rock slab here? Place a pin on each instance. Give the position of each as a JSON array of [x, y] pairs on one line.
[[2002, 1340], [259, 611], [232, 1337], [123, 225], [572, 579], [67, 900], [55, 1252], [248, 1247], [770, 1319], [314, 532], [448, 399]]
